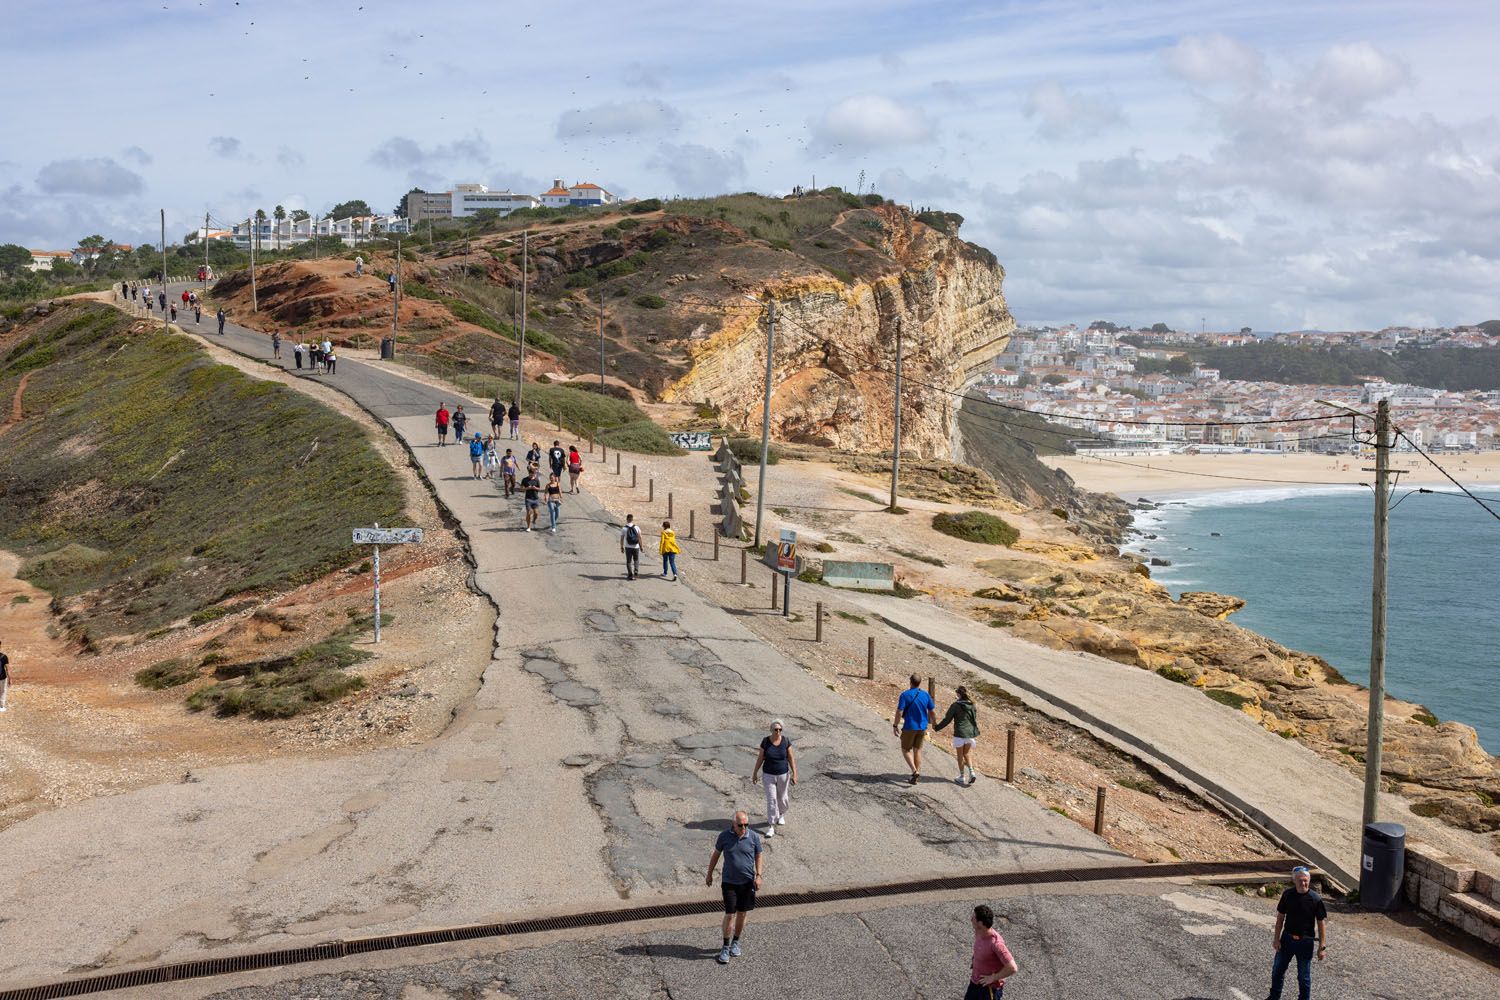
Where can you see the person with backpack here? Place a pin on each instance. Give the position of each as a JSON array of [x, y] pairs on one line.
[[442, 424], [667, 546], [630, 544], [221, 321], [508, 472], [515, 420], [575, 468], [161, 297], [460, 421], [497, 418], [965, 719], [476, 449]]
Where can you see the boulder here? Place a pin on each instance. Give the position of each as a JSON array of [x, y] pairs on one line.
[[1209, 604]]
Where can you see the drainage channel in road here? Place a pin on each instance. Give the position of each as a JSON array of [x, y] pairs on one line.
[[254, 961]]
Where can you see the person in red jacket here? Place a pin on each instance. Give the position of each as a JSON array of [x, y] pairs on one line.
[[442, 424]]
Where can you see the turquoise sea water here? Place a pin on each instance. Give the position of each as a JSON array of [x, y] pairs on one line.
[[1301, 561]]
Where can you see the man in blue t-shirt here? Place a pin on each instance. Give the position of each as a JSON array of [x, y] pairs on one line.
[[914, 710], [740, 848]]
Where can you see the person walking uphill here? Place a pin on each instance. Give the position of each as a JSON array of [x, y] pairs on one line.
[[992, 961], [442, 424], [740, 847], [221, 322], [460, 421], [965, 719], [914, 711], [1301, 923], [514, 413], [557, 459], [630, 544], [554, 502], [476, 453], [669, 549], [575, 468], [779, 775], [497, 418], [4, 678]]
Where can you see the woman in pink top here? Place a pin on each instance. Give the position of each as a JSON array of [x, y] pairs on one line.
[[992, 960]]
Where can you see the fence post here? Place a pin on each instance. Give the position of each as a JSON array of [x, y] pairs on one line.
[[870, 658], [1010, 754], [591, 441], [1099, 811], [603, 452], [632, 474], [818, 629], [744, 564], [651, 490], [617, 461], [775, 597], [692, 519], [669, 505], [931, 688]]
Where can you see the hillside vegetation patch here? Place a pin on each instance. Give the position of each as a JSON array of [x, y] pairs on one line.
[[977, 526]]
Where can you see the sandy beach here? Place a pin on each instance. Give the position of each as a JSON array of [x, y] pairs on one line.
[[1133, 476]]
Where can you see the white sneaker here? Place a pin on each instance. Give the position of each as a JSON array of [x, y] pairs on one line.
[[960, 780], [770, 830], [781, 821]]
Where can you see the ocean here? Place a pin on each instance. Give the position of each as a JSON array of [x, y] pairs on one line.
[[1301, 560]]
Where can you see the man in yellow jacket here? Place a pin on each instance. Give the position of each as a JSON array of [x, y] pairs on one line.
[[669, 548]]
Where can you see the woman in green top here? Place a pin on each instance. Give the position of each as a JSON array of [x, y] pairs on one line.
[[965, 719]]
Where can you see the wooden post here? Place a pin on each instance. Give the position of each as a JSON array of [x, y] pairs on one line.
[[603, 452], [716, 544], [692, 520], [931, 688], [591, 442], [744, 565], [774, 591], [669, 505], [870, 659], [632, 473], [818, 629], [1099, 811], [651, 490], [617, 461], [1010, 754]]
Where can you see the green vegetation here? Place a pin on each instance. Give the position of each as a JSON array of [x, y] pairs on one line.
[[1172, 673], [650, 300], [976, 526], [747, 450], [1455, 369], [166, 674], [1427, 810], [160, 482], [823, 547], [771, 219], [1229, 698], [488, 306], [646, 205], [919, 556], [1142, 785], [1425, 717], [287, 685], [21, 599], [617, 422], [862, 495], [848, 616]]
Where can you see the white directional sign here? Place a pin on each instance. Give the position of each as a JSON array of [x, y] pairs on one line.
[[386, 536]]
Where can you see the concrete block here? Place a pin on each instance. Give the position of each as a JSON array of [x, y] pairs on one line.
[[1417, 861], [1495, 890], [1456, 876], [1484, 882], [1449, 913], [1412, 887], [1431, 894]]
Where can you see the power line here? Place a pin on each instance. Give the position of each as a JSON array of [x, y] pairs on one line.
[[1455, 482]]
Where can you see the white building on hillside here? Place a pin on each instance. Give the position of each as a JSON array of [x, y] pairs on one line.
[[471, 198], [582, 194]]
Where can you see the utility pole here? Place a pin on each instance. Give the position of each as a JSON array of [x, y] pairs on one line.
[[205, 247], [765, 419], [601, 337], [896, 431], [396, 298], [254, 299], [315, 237], [164, 266], [521, 344], [1375, 730]]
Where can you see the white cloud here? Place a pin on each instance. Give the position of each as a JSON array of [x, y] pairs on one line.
[[1352, 75], [290, 158], [95, 176], [1215, 59], [642, 76], [1067, 114], [137, 155], [224, 145], [401, 153], [867, 122], [618, 118], [699, 170]]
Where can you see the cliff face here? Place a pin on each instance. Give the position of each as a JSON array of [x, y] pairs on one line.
[[835, 346]]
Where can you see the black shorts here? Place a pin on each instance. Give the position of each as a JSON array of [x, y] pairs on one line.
[[739, 898]]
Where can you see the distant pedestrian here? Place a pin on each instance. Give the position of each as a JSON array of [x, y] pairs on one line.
[[330, 361], [197, 314], [314, 355], [575, 468], [965, 719], [391, 280], [497, 418], [531, 486], [297, 353], [1300, 925], [124, 289], [149, 306], [667, 546], [184, 297], [327, 348], [914, 710], [992, 961], [776, 767], [460, 421], [221, 321], [4, 678], [359, 266], [442, 424], [491, 459], [476, 451], [508, 471], [161, 297], [740, 847], [275, 345], [515, 420], [630, 544], [534, 455], [554, 501], [135, 293], [174, 312], [557, 459]]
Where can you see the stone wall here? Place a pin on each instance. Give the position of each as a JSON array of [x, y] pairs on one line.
[[1454, 892]]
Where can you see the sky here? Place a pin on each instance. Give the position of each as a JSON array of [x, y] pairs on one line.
[[1278, 165]]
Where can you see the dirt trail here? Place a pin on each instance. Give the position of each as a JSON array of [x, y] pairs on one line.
[[15, 404]]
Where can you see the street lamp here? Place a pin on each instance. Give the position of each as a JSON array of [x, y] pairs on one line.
[[765, 417]]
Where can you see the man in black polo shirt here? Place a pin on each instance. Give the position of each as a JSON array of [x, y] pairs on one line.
[[1300, 925], [740, 848]]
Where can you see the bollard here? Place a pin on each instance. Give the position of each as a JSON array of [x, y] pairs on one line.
[[1099, 812], [651, 490], [603, 452], [632, 477], [591, 442], [931, 688], [669, 505], [744, 565], [558, 417], [692, 519], [774, 589], [818, 629], [617, 461], [1010, 754], [870, 659]]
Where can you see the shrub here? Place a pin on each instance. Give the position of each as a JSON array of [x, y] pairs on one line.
[[747, 450], [661, 238], [166, 674], [582, 279], [628, 224], [650, 300], [648, 205], [615, 268], [1229, 698], [610, 232], [781, 244], [847, 277], [976, 526]]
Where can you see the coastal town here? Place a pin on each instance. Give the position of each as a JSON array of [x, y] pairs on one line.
[[1136, 392]]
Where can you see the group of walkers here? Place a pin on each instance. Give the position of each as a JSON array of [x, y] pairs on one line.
[[632, 541], [131, 291], [320, 355]]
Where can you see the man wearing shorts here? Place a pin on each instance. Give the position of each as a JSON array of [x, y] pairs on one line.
[[914, 711], [739, 846], [533, 487]]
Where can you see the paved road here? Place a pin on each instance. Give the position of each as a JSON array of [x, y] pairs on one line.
[[613, 734], [1136, 940], [1312, 803]]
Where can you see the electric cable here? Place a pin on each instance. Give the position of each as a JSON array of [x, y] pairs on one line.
[[1433, 462]]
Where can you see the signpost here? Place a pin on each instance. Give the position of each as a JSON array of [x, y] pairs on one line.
[[782, 557], [378, 536]]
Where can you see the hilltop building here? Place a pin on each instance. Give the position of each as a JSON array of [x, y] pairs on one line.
[[469, 199]]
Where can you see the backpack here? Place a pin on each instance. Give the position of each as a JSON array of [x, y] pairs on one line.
[[632, 536]]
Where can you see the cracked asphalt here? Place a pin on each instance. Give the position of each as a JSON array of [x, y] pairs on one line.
[[612, 737]]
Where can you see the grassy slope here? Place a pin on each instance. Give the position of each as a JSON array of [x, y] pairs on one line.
[[157, 482]]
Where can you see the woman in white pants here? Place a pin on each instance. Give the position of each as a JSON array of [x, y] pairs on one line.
[[780, 773]]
